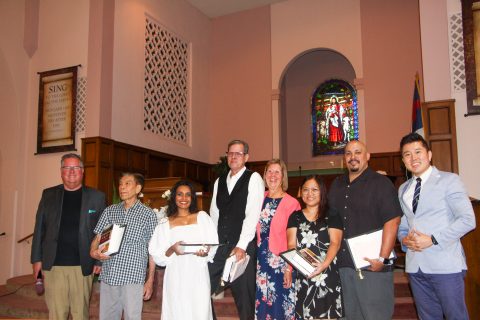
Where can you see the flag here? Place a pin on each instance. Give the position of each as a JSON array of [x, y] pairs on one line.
[[417, 123]]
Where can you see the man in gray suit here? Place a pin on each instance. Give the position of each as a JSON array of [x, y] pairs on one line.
[[437, 213], [66, 217]]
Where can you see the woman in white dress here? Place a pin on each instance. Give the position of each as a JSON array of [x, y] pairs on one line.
[[186, 283]]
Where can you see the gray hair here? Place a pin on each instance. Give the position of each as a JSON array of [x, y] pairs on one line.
[[237, 141], [71, 156]]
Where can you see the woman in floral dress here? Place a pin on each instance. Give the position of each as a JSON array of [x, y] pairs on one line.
[[275, 294], [321, 296]]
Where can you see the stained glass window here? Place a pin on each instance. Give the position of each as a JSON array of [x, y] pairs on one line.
[[334, 117]]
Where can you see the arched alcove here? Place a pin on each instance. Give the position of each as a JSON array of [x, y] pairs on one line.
[[299, 81]]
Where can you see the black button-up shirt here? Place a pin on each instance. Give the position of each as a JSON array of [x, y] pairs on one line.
[[365, 205]]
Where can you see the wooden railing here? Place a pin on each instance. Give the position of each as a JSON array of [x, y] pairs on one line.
[[25, 238]]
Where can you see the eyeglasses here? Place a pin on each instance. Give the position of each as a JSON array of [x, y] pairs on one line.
[[74, 168], [235, 154], [306, 191]]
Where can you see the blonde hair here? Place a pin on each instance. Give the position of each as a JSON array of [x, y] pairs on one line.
[[284, 172]]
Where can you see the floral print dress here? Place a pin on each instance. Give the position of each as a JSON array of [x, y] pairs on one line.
[[272, 301], [321, 296]]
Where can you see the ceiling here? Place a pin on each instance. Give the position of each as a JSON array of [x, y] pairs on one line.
[[217, 8]]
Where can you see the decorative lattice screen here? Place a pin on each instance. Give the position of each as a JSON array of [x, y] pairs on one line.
[[456, 52], [166, 83], [80, 109]]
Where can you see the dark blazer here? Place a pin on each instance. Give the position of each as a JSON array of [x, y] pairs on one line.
[[47, 224]]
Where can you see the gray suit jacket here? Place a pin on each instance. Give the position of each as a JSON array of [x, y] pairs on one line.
[[47, 224], [444, 211]]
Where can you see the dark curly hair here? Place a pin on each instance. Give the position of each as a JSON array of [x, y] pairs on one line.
[[323, 204], [172, 205]]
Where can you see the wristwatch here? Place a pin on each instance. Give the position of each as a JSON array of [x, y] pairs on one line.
[[434, 241], [385, 261]]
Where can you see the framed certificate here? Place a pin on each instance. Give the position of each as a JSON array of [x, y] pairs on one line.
[[302, 260]]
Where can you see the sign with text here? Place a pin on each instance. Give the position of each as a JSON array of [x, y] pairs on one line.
[[56, 114]]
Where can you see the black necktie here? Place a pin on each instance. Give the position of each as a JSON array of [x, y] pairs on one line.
[[416, 194]]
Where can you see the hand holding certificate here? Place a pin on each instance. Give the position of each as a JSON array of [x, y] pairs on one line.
[[303, 260], [366, 246], [111, 239], [200, 249], [234, 269]]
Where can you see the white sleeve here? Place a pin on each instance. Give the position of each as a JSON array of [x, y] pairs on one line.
[[210, 233], [159, 244], [214, 212], [256, 191]]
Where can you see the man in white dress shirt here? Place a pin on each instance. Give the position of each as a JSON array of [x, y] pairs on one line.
[[437, 214], [236, 204]]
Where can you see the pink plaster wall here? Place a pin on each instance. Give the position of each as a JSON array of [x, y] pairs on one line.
[[13, 71], [62, 42], [186, 22], [391, 57], [240, 83], [438, 86], [301, 25], [100, 68]]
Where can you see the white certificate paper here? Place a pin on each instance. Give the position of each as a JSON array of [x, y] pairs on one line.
[[366, 246]]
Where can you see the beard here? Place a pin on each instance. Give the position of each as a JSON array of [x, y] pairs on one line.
[[352, 167]]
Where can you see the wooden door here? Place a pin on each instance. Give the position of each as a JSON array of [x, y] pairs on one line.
[[440, 132]]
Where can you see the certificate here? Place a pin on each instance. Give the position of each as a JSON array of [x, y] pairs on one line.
[[366, 246], [302, 260], [195, 247]]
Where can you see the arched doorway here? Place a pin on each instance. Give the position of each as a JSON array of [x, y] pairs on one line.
[[300, 79]]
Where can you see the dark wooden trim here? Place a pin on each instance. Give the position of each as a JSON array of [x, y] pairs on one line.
[[105, 159], [25, 238]]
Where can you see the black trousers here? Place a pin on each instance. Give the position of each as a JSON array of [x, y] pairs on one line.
[[244, 288]]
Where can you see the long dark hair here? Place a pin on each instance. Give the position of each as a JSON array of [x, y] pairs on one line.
[[172, 205], [323, 204]]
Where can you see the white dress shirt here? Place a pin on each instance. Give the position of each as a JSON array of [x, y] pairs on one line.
[[256, 190], [408, 195]]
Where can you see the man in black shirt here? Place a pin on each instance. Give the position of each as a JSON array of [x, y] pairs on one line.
[[366, 201], [66, 217]]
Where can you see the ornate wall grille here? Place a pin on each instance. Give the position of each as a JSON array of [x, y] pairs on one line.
[[166, 83], [456, 52], [81, 103]]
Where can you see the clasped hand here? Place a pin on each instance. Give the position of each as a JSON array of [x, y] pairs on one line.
[[417, 241]]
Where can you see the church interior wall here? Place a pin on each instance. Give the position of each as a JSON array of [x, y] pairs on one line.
[[240, 83], [187, 23], [439, 85], [61, 42], [238, 62], [301, 80], [391, 56]]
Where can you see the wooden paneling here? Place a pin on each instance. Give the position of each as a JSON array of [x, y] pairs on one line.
[[106, 159], [440, 132], [472, 281], [154, 189], [120, 159], [158, 166], [138, 161], [257, 166], [442, 154], [391, 163], [178, 168]]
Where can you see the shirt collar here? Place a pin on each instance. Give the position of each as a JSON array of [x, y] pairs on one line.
[[237, 175], [425, 175]]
